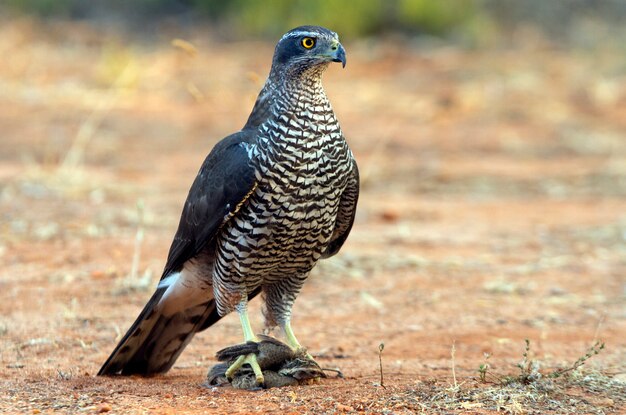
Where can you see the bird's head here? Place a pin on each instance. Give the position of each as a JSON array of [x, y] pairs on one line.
[[307, 49]]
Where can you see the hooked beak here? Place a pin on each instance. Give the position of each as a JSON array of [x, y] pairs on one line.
[[338, 54]]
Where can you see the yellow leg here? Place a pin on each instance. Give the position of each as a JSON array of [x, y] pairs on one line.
[[291, 338], [293, 342], [248, 335]]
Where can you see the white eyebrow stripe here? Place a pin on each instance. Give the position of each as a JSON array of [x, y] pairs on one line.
[[310, 34], [298, 34]]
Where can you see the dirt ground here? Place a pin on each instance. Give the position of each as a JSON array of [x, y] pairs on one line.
[[493, 210]]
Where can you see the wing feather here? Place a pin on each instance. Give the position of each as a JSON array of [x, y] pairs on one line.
[[345, 215], [225, 180]]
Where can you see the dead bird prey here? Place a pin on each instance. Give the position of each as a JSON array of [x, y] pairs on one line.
[[269, 201], [280, 365]]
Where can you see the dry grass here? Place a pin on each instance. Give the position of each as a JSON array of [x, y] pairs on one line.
[[567, 390], [546, 396]]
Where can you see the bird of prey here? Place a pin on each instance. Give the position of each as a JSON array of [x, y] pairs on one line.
[[268, 202]]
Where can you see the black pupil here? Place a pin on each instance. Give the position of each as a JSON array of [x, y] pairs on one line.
[[308, 42]]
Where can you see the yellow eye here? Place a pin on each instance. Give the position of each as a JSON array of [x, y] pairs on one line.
[[308, 42]]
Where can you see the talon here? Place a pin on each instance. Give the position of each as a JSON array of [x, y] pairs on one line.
[[232, 369], [250, 359], [307, 355]]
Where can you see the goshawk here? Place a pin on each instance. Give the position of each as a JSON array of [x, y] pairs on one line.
[[268, 202]]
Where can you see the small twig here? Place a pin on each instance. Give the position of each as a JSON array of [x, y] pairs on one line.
[[381, 347], [524, 365], [598, 327], [483, 369], [592, 351], [452, 353]]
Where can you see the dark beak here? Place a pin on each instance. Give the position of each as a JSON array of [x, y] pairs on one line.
[[339, 54]]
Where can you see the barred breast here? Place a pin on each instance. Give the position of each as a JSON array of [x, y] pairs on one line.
[[302, 162]]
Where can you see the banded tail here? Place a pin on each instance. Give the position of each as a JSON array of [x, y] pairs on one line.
[[176, 311]]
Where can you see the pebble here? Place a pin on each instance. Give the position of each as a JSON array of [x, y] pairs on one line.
[[344, 408], [103, 407]]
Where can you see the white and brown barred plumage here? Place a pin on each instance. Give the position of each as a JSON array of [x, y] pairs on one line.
[[269, 201]]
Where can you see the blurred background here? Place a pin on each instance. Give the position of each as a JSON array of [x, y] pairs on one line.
[[470, 22], [491, 139]]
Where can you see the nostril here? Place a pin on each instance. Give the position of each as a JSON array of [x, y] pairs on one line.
[[334, 48]]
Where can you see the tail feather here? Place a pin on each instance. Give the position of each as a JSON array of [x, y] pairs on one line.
[[154, 341], [168, 322]]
